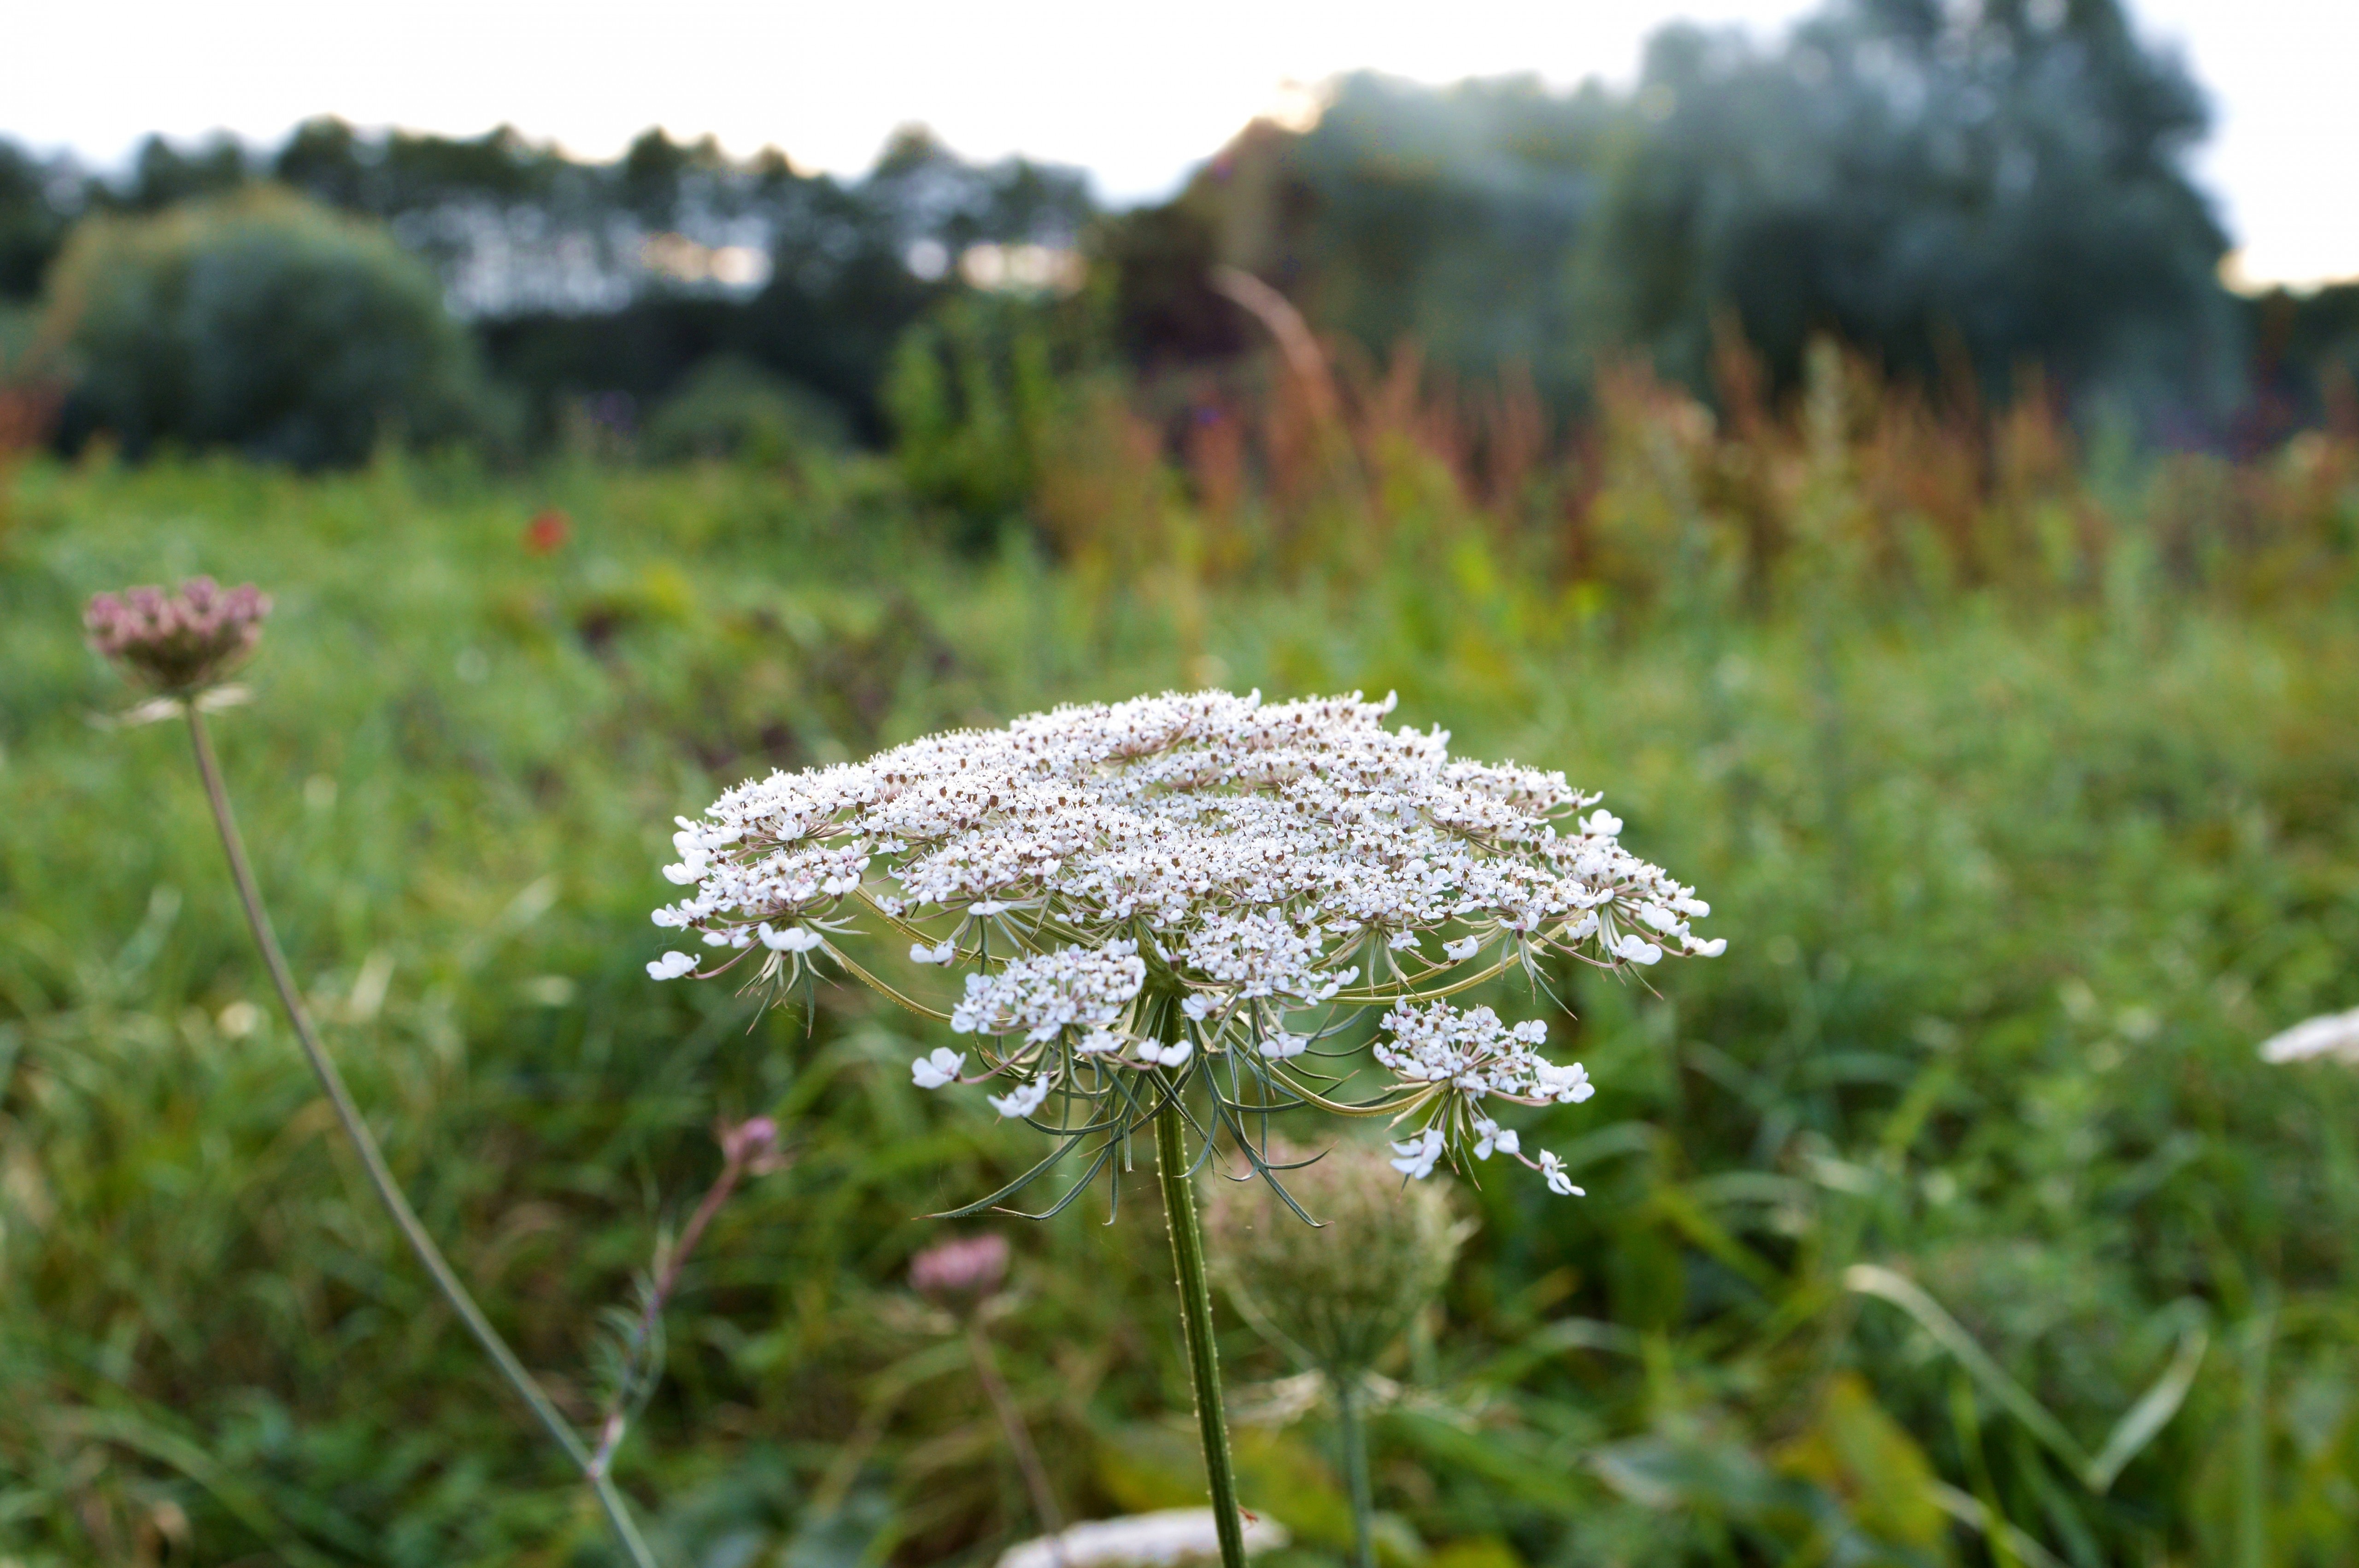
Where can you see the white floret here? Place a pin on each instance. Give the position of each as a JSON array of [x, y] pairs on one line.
[[1020, 1101], [1414, 1157], [1042, 996], [793, 940], [940, 1065]]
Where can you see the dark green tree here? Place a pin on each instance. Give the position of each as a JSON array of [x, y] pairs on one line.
[[263, 322], [162, 175], [38, 199], [1950, 188]]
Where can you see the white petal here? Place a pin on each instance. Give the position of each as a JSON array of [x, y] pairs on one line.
[[2331, 1034]]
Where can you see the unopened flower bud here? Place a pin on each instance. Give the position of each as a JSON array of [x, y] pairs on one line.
[[753, 1142], [749, 1137], [178, 642]]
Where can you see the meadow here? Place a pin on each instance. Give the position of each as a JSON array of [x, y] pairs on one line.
[[1950, 1217]]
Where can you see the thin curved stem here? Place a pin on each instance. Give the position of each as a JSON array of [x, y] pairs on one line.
[[1196, 1320], [643, 1333], [380, 1175]]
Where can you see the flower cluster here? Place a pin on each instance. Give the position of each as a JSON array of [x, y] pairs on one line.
[[1188, 888], [175, 643], [1045, 995]]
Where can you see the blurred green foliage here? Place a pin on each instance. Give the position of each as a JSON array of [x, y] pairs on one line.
[[982, 392], [728, 408], [262, 322], [2025, 828]]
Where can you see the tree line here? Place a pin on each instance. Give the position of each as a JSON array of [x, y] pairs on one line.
[[1963, 192]]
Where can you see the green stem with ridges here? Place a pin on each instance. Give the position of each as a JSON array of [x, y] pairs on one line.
[[1196, 1320]]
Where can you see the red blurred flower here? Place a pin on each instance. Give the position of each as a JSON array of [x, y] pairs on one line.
[[546, 533]]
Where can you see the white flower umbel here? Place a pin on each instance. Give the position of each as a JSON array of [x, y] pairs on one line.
[[1164, 905], [1182, 893]]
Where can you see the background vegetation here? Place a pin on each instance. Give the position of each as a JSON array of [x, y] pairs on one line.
[[1957, 191], [1844, 455], [2018, 771]]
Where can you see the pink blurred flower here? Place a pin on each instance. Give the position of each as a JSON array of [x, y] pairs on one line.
[[753, 1144], [960, 1273]]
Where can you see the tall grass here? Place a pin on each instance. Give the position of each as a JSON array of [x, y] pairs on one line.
[[2020, 773]]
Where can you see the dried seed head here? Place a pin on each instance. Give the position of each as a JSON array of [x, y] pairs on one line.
[[960, 1274], [178, 642], [1341, 1295]]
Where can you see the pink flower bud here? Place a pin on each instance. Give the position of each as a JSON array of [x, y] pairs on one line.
[[752, 1143], [179, 642], [748, 1139]]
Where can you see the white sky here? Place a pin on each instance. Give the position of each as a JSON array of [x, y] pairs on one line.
[[1135, 94]]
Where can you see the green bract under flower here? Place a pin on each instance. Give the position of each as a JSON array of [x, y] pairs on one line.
[[1192, 888]]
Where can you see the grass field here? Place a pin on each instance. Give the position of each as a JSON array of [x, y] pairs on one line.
[[2014, 883]]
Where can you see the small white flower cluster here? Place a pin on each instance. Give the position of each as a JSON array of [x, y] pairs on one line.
[[1161, 884], [1260, 955], [1476, 1055], [1470, 1057], [1046, 994]]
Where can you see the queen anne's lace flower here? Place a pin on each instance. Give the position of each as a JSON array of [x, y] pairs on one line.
[[1184, 889]]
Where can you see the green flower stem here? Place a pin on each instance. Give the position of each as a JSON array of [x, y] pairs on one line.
[[1196, 1319], [380, 1175], [1356, 1465]]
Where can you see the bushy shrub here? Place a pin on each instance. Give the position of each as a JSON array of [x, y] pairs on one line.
[[263, 322], [972, 391], [730, 408]]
